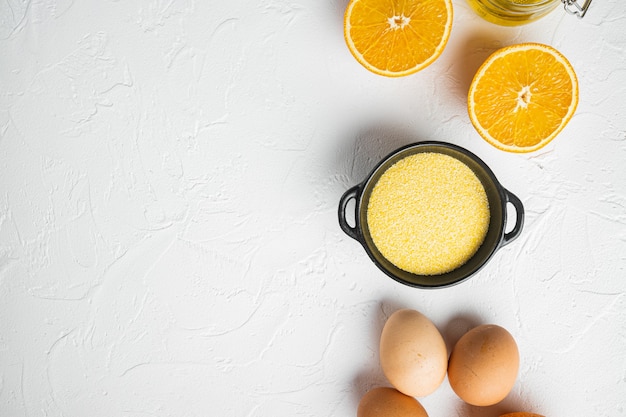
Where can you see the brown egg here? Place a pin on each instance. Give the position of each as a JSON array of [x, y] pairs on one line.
[[413, 354], [521, 414], [483, 365], [389, 402]]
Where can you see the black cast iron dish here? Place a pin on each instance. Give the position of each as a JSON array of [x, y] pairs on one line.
[[496, 237]]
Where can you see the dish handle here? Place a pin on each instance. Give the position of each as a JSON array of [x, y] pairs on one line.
[[519, 218], [352, 193]]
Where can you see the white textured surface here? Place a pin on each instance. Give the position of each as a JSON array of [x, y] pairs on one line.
[[169, 177]]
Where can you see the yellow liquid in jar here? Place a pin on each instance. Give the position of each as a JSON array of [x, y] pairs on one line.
[[512, 12]]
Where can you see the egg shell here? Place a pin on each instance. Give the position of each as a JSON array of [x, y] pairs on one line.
[[521, 414], [413, 354], [483, 365], [389, 402]]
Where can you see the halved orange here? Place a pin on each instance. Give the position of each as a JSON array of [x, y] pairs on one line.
[[522, 97], [397, 37]]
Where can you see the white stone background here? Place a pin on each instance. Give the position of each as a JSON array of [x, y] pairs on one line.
[[169, 178]]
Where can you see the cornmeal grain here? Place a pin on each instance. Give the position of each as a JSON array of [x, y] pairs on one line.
[[428, 213]]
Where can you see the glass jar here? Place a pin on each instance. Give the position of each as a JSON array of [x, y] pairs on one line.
[[519, 12]]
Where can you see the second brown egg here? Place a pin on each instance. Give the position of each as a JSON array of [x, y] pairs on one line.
[[483, 365]]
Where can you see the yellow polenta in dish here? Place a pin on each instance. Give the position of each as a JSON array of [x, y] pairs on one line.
[[428, 213]]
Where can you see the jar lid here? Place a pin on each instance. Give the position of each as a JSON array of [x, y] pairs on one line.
[[573, 7]]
